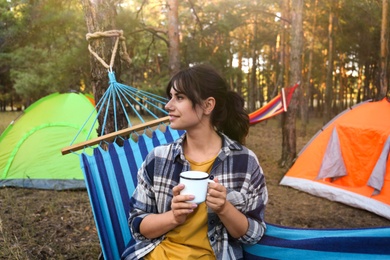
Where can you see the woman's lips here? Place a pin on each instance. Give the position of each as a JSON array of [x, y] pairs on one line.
[[172, 117]]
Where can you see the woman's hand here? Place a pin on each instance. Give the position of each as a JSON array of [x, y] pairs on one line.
[[235, 222], [155, 225], [181, 206], [216, 196]]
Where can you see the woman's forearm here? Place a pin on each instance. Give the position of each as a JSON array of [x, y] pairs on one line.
[[235, 222], [156, 225]]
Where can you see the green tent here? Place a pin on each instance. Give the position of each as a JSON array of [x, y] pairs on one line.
[[30, 147]]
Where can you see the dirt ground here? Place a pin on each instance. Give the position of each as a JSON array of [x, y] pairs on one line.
[[39, 224]]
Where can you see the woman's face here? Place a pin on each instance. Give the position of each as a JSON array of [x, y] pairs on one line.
[[182, 114]]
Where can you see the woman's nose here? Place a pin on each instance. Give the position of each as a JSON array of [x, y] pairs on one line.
[[168, 105]]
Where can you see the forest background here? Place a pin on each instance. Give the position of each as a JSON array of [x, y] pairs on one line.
[[337, 50], [43, 48]]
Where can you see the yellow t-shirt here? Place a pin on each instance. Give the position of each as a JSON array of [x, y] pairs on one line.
[[189, 240]]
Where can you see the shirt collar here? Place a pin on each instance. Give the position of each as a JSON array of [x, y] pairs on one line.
[[228, 145]]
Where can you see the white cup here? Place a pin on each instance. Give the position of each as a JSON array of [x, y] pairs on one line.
[[195, 183]]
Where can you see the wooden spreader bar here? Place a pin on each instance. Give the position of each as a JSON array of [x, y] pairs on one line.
[[111, 136]]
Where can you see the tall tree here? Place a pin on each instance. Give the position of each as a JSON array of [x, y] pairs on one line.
[[173, 36], [253, 72], [286, 47], [100, 18], [329, 71], [306, 93], [384, 82], [289, 118]]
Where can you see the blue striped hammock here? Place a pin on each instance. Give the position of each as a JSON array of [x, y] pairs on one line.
[[110, 177]]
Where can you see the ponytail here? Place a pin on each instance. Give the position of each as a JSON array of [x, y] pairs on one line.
[[236, 123]]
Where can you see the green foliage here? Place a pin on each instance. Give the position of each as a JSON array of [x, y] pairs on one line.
[[146, 45], [362, 36], [50, 52], [43, 47]]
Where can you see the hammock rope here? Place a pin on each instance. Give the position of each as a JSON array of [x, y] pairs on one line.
[[119, 38], [120, 97]]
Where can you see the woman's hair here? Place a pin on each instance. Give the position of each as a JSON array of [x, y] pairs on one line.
[[203, 81]]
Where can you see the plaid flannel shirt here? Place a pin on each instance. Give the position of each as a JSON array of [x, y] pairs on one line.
[[236, 167]]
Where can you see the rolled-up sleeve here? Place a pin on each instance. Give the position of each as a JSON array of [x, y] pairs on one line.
[[256, 197]]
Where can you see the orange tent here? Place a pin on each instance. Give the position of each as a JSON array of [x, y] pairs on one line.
[[348, 160]]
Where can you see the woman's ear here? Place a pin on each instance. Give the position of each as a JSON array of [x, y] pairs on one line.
[[209, 105]]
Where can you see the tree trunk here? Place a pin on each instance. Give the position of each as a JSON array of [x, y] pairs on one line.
[[239, 75], [283, 76], [384, 51], [173, 36], [253, 82], [306, 94], [286, 48], [344, 100], [329, 73], [289, 119], [278, 63], [100, 17], [367, 80]]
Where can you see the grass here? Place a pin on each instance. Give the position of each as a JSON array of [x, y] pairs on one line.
[[6, 118], [12, 246], [40, 224]]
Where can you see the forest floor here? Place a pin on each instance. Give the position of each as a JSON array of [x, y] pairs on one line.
[[42, 224]]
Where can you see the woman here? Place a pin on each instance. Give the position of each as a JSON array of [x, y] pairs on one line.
[[164, 224]]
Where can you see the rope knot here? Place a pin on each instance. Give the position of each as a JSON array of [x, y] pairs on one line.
[[112, 33]]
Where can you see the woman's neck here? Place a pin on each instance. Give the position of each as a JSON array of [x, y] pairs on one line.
[[200, 146]]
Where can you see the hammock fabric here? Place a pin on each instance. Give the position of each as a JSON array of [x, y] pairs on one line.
[[111, 178], [274, 107]]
